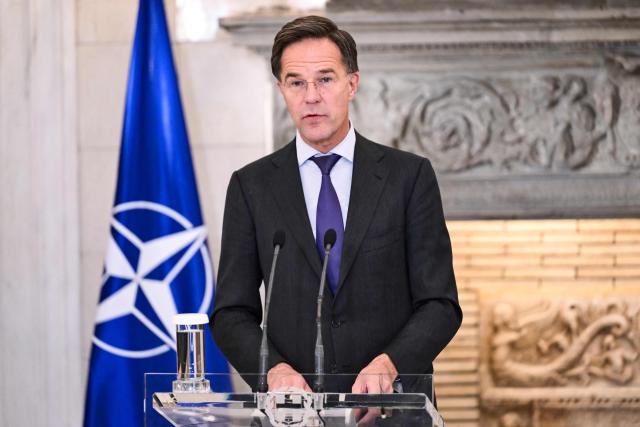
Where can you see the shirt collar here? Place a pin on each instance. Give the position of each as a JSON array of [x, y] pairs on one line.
[[344, 149]]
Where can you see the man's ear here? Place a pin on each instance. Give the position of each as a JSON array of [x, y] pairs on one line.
[[354, 81]]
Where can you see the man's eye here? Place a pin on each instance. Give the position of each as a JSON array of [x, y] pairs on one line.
[[325, 80], [296, 83]]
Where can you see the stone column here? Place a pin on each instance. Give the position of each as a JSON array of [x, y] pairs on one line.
[[39, 286]]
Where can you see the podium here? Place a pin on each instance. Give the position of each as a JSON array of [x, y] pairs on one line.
[[410, 404]]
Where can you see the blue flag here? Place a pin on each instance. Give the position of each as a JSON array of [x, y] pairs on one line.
[[157, 262]]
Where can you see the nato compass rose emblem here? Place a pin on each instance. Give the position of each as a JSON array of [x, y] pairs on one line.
[[157, 265]]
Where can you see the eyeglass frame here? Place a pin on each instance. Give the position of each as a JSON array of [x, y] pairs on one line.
[[321, 88]]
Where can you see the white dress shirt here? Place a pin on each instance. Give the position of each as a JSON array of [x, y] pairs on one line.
[[340, 174]]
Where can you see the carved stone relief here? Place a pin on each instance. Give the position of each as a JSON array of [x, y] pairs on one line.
[[567, 343], [552, 122], [548, 123], [561, 355]]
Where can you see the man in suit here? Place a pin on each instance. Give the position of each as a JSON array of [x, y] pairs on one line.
[[391, 303]]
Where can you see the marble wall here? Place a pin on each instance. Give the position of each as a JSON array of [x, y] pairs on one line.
[[40, 363]]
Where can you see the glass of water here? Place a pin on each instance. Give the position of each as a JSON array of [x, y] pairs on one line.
[[190, 353]]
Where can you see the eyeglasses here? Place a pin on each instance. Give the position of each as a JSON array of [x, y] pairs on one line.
[[324, 84]]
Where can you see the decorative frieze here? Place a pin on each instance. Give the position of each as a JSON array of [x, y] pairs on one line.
[[553, 122]]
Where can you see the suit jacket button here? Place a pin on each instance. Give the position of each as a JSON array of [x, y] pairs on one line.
[[336, 323]]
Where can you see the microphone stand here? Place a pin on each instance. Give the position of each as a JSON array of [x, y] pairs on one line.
[[318, 383], [263, 387]]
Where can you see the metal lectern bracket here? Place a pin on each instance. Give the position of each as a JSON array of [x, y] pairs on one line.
[[289, 408]]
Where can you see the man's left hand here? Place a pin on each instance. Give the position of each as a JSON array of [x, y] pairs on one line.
[[377, 377]]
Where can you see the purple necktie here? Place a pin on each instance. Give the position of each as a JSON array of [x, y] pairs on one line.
[[329, 215]]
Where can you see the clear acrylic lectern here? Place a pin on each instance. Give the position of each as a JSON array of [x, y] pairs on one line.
[[410, 405]]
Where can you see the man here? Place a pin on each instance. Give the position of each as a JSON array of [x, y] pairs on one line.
[[391, 303]]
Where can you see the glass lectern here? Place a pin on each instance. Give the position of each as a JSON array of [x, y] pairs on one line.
[[410, 404]]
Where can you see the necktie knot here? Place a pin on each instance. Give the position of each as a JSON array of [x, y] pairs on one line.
[[326, 163]]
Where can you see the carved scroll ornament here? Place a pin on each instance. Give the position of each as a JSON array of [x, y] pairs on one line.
[[565, 344]]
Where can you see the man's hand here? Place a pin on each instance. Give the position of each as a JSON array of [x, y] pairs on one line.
[[376, 377], [283, 377]]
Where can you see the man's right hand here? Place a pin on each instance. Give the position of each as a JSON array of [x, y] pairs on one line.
[[283, 377]]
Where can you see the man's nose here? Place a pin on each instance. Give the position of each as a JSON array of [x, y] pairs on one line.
[[311, 94]]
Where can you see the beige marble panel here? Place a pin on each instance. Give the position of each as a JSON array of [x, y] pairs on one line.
[[101, 87], [225, 90], [101, 21], [112, 21], [98, 169]]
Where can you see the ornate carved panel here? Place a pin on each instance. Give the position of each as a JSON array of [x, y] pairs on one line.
[[566, 343], [556, 356]]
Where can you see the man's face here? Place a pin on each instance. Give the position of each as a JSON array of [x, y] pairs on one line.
[[320, 110]]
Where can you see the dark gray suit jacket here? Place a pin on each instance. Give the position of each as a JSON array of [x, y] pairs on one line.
[[397, 291]]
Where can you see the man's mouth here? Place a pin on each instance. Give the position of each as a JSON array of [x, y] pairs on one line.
[[312, 116]]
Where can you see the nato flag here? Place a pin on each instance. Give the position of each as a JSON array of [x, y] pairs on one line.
[[157, 262]]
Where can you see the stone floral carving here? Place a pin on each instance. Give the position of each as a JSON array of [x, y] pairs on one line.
[[568, 343], [454, 126], [550, 123]]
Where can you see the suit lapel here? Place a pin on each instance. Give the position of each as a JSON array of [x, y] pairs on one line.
[[287, 191], [367, 181]]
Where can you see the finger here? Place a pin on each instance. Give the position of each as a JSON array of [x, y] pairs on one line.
[[305, 386], [386, 386], [372, 385], [358, 385], [358, 413], [369, 418]]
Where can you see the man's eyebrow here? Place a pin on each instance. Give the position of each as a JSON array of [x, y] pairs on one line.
[[297, 75], [291, 74]]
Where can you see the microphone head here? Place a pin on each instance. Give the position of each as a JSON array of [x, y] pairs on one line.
[[330, 237], [278, 238]]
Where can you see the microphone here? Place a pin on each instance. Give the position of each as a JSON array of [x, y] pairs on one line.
[[318, 384], [278, 243]]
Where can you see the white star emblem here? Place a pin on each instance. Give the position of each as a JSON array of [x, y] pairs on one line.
[[152, 254]]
